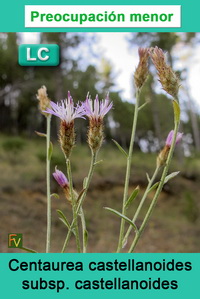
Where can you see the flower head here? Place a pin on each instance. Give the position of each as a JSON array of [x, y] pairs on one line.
[[66, 110], [167, 77], [60, 178], [163, 155], [142, 71], [170, 136], [97, 109], [44, 101]]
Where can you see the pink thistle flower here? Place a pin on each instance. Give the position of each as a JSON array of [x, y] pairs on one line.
[[97, 109], [60, 178], [66, 110], [163, 155], [170, 136]]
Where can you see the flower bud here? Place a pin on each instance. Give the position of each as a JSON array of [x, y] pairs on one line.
[[167, 77], [142, 71], [170, 136], [163, 155], [64, 184], [44, 101]]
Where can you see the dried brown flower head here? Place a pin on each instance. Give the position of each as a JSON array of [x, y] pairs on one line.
[[167, 77], [142, 71], [44, 101]]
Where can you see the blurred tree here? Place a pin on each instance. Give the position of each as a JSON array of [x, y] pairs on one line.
[[11, 75], [18, 85]]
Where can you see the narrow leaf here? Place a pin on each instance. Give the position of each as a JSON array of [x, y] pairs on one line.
[[177, 111], [27, 249], [132, 197], [50, 150], [171, 176], [85, 182], [41, 134], [154, 186], [122, 216], [142, 106], [80, 194], [120, 148], [55, 195], [98, 162], [168, 177], [63, 218], [148, 178], [124, 242], [85, 236]]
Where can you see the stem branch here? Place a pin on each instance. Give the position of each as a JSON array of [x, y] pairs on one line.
[[128, 169], [48, 160], [141, 203], [73, 201], [158, 191], [89, 177]]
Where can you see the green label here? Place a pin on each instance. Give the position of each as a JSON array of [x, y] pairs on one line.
[[38, 55], [15, 240]]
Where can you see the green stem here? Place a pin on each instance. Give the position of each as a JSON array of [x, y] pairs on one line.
[[73, 201], [141, 203], [48, 160], [128, 169], [158, 191], [84, 230], [89, 177]]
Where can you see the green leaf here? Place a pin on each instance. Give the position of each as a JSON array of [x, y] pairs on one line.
[[122, 216], [27, 249], [171, 176], [85, 182], [41, 134], [148, 178], [50, 151], [98, 162], [142, 106], [177, 111], [124, 242], [154, 186], [168, 177], [55, 195], [132, 197], [120, 148], [85, 236], [63, 218], [80, 194]]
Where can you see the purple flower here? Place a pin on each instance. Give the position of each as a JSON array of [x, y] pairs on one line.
[[97, 109], [66, 110], [169, 139], [60, 178]]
